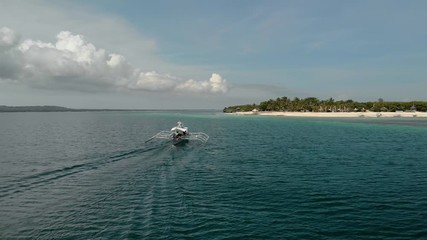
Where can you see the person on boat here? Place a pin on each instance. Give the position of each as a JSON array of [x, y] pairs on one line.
[[177, 135]]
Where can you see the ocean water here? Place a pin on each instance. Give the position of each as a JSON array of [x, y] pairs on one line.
[[91, 175]]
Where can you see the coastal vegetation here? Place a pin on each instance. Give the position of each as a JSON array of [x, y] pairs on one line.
[[312, 104]]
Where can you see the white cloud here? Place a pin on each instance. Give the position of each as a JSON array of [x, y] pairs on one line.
[[74, 63], [215, 85], [8, 37], [154, 81]]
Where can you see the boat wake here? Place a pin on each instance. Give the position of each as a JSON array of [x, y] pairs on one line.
[[26, 183]]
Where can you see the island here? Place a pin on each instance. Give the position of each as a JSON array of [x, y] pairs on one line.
[[313, 107]]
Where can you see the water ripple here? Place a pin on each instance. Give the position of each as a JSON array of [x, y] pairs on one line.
[[297, 179]]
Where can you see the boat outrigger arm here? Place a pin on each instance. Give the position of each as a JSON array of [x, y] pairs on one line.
[[179, 134]]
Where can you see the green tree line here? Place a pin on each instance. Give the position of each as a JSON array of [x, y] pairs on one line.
[[312, 104]]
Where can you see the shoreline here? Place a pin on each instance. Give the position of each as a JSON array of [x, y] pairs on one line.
[[338, 114]]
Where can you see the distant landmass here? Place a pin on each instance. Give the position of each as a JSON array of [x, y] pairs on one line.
[[50, 109], [34, 109], [4, 108]]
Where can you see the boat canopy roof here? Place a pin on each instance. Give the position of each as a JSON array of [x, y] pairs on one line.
[[179, 127]]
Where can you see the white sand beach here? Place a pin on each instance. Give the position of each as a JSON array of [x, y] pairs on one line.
[[338, 114]]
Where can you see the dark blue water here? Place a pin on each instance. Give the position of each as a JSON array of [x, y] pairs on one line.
[[91, 175]]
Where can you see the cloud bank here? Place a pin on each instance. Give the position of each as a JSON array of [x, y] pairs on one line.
[[73, 63]]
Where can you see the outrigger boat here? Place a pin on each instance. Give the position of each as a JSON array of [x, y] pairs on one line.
[[180, 135]]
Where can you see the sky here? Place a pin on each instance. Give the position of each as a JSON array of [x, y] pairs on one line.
[[200, 54]]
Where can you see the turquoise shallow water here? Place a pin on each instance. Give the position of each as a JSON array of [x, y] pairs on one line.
[[91, 175]]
